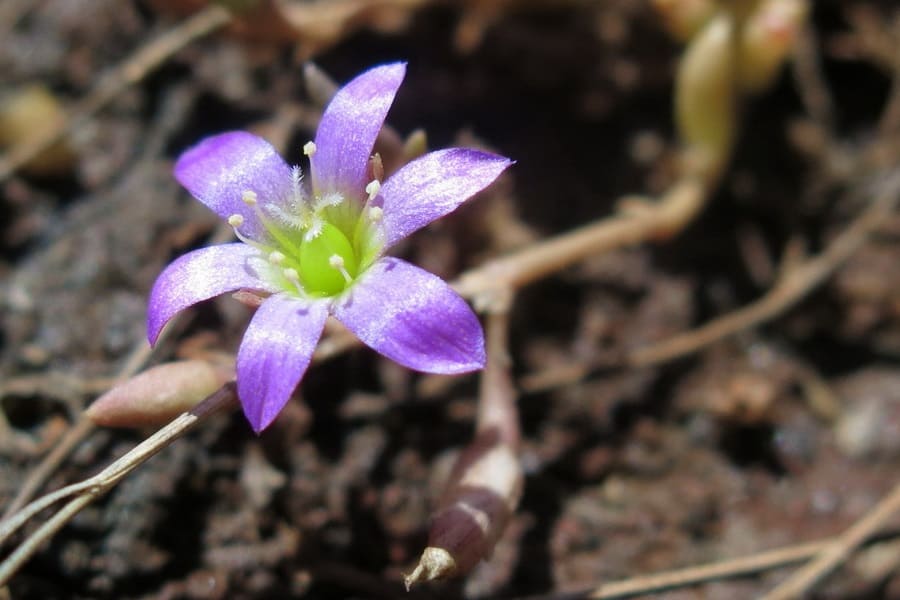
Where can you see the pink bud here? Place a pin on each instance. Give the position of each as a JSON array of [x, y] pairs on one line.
[[159, 394], [769, 37]]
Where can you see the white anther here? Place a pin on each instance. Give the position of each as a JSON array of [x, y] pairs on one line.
[[309, 148], [249, 198], [291, 275], [373, 188], [375, 214], [276, 257], [337, 262], [236, 220]]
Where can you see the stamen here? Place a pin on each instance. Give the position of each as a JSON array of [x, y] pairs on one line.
[[276, 257], [294, 277], [373, 188], [236, 220], [375, 214], [249, 198], [376, 167], [337, 262], [309, 148]]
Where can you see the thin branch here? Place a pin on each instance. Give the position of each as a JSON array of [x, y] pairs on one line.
[[791, 287], [836, 552], [690, 576], [747, 565], [126, 74], [87, 491], [46, 467], [140, 355], [649, 220]]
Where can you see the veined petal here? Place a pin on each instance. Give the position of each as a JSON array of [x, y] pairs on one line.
[[348, 129], [275, 353], [434, 185], [219, 169], [413, 318], [200, 275]]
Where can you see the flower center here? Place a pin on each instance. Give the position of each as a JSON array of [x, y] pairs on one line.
[[317, 245], [327, 262]]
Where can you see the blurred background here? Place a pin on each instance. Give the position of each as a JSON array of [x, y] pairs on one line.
[[784, 433]]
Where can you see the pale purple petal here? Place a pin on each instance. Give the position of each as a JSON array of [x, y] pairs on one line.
[[219, 169], [349, 127], [275, 353], [200, 275], [414, 318], [434, 185]]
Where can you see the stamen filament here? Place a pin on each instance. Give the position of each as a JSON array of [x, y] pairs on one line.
[[293, 276], [337, 262], [236, 221]]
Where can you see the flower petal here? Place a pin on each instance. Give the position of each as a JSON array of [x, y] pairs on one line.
[[434, 185], [219, 169], [414, 318], [274, 354], [348, 129], [200, 275]]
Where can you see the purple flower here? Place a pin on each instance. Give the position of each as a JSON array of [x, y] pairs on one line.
[[316, 248]]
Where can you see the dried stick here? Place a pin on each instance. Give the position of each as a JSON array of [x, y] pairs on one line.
[[47, 466], [135, 68], [834, 553], [87, 491], [74, 436], [747, 565], [140, 355], [662, 219], [791, 287]]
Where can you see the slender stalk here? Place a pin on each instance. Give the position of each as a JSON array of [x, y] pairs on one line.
[[87, 491], [653, 220], [126, 74], [836, 552]]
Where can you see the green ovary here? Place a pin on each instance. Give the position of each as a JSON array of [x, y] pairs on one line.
[[320, 277]]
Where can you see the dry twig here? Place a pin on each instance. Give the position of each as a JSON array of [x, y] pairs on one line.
[[647, 221], [679, 578], [87, 491], [837, 551], [135, 68], [791, 287]]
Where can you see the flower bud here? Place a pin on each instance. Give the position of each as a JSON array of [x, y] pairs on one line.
[[415, 145], [159, 394], [23, 114], [705, 102], [768, 36], [483, 492], [684, 18]]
